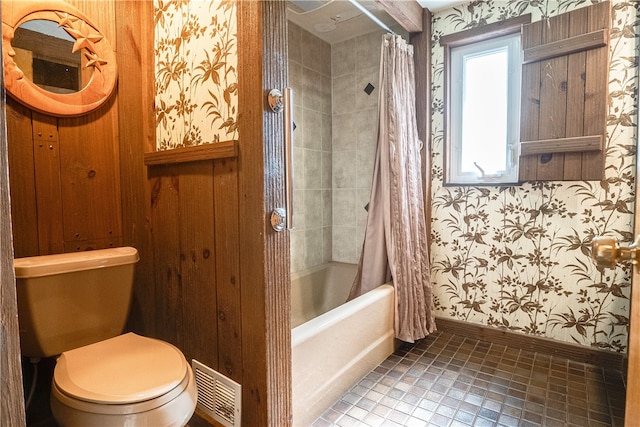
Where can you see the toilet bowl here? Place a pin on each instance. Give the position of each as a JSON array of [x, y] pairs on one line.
[[126, 380]]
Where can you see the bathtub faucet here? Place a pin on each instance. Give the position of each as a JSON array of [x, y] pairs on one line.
[[607, 252]]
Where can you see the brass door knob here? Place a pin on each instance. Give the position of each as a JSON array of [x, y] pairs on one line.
[[607, 252]]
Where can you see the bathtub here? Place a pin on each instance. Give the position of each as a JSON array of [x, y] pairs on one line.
[[334, 344]]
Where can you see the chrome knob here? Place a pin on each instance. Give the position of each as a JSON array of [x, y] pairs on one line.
[[607, 252]]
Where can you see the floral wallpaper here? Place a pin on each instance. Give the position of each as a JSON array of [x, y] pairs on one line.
[[518, 257], [196, 72]]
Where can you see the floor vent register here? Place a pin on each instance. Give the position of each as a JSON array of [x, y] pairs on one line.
[[218, 396]]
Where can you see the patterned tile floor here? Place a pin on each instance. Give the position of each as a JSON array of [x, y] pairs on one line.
[[450, 380]]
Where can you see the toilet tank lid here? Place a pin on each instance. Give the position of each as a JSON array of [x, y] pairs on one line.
[[47, 265]]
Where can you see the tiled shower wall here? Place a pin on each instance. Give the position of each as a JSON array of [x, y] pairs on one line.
[[334, 144], [354, 72], [310, 78]]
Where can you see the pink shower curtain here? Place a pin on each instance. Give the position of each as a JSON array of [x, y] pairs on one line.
[[395, 245]]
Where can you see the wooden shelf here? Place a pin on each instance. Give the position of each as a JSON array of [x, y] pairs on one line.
[[218, 150]]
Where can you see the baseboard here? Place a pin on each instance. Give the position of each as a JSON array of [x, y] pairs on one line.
[[578, 353]]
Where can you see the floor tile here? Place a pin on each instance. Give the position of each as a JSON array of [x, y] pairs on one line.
[[454, 381]]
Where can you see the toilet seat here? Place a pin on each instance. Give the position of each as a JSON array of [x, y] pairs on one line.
[[122, 375], [123, 408]]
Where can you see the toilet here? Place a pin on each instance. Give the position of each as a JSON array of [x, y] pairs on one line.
[[75, 305]]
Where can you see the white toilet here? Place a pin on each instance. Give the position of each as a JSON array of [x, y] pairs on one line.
[[76, 305]]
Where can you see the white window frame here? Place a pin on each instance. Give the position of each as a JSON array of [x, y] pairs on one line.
[[459, 57], [507, 35]]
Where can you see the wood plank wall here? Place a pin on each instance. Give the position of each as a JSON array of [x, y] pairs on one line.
[[421, 42], [194, 228], [211, 279], [275, 273], [65, 181], [136, 83], [11, 398], [65, 171]]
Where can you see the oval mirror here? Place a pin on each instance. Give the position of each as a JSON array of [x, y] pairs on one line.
[[55, 60]]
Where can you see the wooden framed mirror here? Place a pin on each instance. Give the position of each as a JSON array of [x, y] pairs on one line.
[[56, 61]]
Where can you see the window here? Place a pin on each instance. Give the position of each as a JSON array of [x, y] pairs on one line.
[[485, 106], [483, 81], [552, 74]]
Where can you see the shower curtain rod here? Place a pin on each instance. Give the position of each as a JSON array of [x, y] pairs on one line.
[[371, 16]]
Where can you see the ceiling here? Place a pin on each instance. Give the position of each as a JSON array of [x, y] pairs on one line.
[[337, 20], [435, 5]]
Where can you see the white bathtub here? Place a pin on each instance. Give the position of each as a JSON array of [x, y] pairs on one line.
[[334, 344]]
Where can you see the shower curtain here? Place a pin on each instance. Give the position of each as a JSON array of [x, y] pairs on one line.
[[395, 245]]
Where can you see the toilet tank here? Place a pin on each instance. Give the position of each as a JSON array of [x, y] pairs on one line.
[[66, 301]]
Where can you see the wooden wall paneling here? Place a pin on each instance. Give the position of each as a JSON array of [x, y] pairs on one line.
[[596, 95], [530, 102], [12, 412], [46, 149], [197, 331], [64, 204], [575, 94], [264, 261], [91, 244], [90, 176], [277, 280], [90, 161], [553, 99], [422, 62], [136, 125], [22, 177], [228, 278], [255, 399], [165, 237]]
